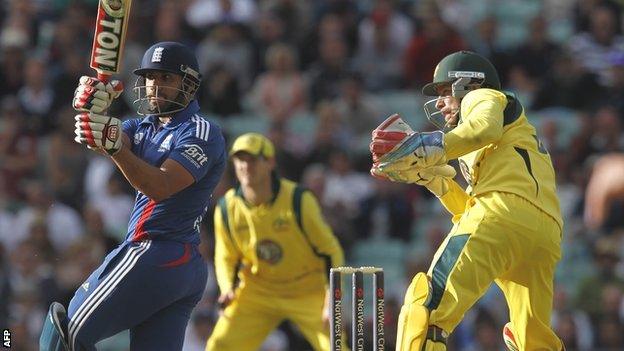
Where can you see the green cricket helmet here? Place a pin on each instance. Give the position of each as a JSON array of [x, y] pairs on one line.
[[463, 71]]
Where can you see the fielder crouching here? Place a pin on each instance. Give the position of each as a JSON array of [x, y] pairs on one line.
[[273, 253]]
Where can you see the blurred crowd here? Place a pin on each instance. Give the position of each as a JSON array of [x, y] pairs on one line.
[[316, 76]]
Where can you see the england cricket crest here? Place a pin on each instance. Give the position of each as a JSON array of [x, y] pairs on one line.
[[138, 137], [166, 144]]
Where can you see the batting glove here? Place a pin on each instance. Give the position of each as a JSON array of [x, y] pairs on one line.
[[93, 95], [98, 132]]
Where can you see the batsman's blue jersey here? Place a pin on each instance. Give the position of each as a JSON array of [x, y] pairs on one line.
[[198, 145]]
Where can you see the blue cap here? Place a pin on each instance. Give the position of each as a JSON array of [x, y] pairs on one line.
[[171, 57]]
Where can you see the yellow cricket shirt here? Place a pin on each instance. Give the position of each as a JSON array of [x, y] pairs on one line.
[[498, 150], [282, 247]]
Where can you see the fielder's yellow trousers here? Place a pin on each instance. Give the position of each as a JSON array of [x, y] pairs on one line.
[[500, 238], [251, 317]]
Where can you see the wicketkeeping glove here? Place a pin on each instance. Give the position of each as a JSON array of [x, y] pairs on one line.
[[390, 137], [93, 95], [395, 146], [98, 132], [436, 179]]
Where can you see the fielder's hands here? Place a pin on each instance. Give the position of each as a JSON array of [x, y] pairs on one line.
[[225, 299], [93, 95], [98, 132]]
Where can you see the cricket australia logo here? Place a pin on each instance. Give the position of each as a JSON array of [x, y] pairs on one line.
[[280, 224], [166, 144], [157, 55], [269, 251]]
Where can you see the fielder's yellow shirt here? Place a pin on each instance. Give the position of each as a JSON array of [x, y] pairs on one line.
[[283, 247], [498, 150]]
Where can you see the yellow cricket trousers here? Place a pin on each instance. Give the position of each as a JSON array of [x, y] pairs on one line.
[[500, 238], [249, 319]]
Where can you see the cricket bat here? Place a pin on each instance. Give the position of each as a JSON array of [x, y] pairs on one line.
[[109, 38]]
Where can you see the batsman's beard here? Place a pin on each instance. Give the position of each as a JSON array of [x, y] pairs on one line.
[[153, 106]]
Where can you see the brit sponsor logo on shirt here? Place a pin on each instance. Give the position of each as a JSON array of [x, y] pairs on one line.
[[195, 154], [166, 144], [137, 138]]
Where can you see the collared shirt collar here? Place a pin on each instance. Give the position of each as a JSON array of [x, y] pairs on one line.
[[177, 119], [275, 186]]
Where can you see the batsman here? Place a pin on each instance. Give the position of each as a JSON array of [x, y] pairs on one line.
[[507, 224], [174, 159]]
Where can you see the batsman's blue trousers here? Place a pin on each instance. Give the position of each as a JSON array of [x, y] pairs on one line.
[[149, 287]]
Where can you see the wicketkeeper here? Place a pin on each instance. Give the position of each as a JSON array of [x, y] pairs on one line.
[[507, 223]]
